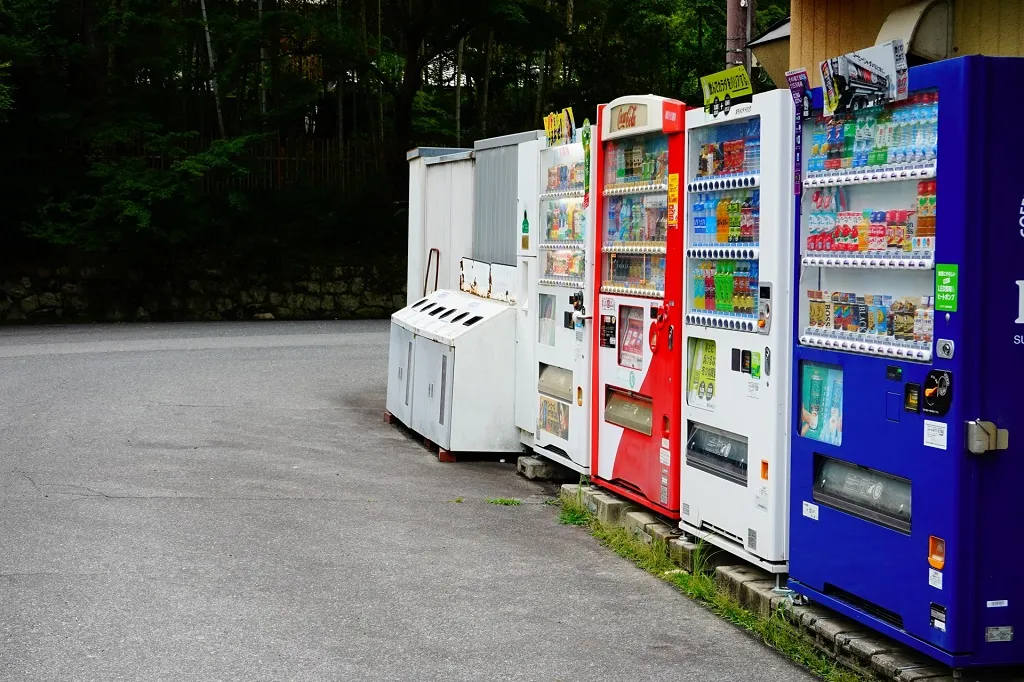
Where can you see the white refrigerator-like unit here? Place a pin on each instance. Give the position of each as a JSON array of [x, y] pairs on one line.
[[739, 270]]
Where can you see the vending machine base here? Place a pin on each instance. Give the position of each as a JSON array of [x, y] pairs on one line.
[[881, 626], [734, 548]]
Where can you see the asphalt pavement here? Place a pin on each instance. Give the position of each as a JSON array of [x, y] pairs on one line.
[[224, 502]]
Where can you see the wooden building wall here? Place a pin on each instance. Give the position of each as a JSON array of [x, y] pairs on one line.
[[826, 28]]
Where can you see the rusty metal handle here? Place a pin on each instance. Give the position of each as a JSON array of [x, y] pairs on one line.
[[437, 269]]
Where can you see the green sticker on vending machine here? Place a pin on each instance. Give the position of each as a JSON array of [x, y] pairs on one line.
[[947, 280], [586, 163]]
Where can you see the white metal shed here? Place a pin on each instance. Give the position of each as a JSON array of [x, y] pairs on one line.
[[440, 218]]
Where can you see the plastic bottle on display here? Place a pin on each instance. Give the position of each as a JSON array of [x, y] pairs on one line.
[[897, 146], [747, 220], [911, 129], [883, 135], [698, 216], [870, 117], [698, 287], [754, 136], [753, 277], [817, 144], [625, 221], [755, 216], [735, 216], [612, 226], [849, 141], [707, 217], [859, 140], [932, 128], [709, 286], [620, 163], [722, 220], [863, 231]]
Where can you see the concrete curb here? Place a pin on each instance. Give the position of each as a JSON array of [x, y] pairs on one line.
[[838, 638]]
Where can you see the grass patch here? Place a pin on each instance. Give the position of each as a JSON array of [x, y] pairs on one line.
[[574, 512], [504, 501], [775, 631], [458, 500]]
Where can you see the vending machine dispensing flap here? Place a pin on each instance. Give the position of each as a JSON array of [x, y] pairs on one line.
[[872, 495], [555, 382], [717, 452], [629, 410]]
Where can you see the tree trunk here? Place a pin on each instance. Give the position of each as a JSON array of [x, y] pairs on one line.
[[412, 82], [213, 70], [339, 90], [263, 61], [380, 81], [458, 95], [570, 30], [540, 82], [487, 83]]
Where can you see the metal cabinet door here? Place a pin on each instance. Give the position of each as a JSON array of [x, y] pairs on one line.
[[400, 373], [433, 368]]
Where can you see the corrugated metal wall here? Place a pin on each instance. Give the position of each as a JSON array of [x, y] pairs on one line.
[[494, 225], [825, 28]]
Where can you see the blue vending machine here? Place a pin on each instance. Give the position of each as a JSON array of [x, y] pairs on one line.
[[907, 489]]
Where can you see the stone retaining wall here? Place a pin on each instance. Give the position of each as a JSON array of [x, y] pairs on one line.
[[99, 295]]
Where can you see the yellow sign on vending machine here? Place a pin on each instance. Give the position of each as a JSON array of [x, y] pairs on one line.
[[560, 127]]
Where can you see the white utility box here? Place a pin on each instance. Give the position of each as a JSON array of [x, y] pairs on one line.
[[451, 371]]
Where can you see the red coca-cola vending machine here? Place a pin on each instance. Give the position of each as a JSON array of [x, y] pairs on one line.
[[638, 308]]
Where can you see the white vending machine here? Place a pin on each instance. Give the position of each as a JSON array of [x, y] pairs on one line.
[[560, 370], [736, 377]]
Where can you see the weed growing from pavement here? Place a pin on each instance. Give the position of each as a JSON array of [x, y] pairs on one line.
[[505, 501], [775, 631], [458, 500]]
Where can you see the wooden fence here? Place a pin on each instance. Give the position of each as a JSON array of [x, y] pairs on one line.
[[273, 164]]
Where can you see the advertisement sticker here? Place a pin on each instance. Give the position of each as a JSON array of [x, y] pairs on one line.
[[724, 89], [866, 78], [800, 89], [947, 284], [700, 391], [821, 403]]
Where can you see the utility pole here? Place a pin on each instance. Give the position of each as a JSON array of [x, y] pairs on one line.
[[739, 24]]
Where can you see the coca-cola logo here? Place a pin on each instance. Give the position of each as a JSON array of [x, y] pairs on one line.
[[626, 116]]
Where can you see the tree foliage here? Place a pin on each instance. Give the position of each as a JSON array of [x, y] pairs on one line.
[[109, 112]]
